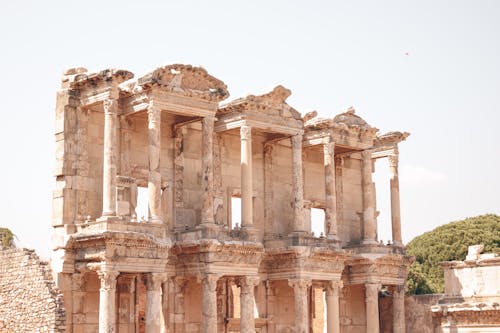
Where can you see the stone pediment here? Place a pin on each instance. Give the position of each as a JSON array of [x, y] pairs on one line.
[[185, 80], [272, 103], [345, 120]]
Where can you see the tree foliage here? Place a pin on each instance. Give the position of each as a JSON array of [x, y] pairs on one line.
[[6, 237], [445, 243]]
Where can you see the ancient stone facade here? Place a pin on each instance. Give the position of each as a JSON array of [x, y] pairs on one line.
[[194, 264], [471, 302], [29, 299]]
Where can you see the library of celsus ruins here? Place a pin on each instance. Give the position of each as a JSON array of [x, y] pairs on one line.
[[226, 244]]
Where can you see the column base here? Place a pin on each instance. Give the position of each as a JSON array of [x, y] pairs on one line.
[[397, 244], [108, 218], [369, 242], [155, 219]]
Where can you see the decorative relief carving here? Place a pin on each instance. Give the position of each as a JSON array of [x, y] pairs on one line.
[[108, 279], [246, 133], [300, 285]]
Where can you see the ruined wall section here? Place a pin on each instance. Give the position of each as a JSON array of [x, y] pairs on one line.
[[29, 299], [418, 315]]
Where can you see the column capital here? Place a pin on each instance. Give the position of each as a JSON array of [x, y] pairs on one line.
[[110, 106], [107, 278], [300, 284], [393, 160], [399, 289], [333, 287], [371, 291], [209, 281], [247, 283], [366, 155], [155, 280], [246, 132]]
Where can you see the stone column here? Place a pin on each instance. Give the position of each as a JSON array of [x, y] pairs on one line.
[[179, 304], [297, 184], [154, 302], [300, 290], [164, 305], [395, 206], [247, 303], [330, 191], [209, 303], [369, 219], [110, 157], [246, 177], [154, 149], [372, 315], [398, 308], [107, 301], [333, 289], [207, 172]]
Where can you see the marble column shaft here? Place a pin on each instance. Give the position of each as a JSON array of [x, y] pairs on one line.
[[110, 157], [301, 292], [246, 177], [247, 303], [331, 227], [372, 311], [154, 149], [207, 172], [395, 205], [398, 308], [209, 303], [333, 289], [107, 301], [369, 205], [154, 302], [297, 185]]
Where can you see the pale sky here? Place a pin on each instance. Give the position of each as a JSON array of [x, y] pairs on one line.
[[431, 68]]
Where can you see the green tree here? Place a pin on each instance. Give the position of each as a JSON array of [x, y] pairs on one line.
[[445, 243], [6, 237]]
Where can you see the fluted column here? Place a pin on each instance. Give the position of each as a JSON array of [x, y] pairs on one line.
[[246, 177], [333, 289], [207, 172], [154, 148], [398, 308], [154, 302], [297, 185], [395, 205], [330, 191], [369, 219], [301, 291], [209, 303], [247, 303], [107, 301], [372, 314], [110, 157]]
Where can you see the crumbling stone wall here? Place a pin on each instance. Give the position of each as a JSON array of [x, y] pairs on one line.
[[29, 299], [418, 315]]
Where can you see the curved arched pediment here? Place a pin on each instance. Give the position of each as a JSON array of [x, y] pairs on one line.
[[186, 80]]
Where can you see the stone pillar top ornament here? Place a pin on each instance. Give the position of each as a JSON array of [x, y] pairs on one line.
[[107, 278], [332, 288]]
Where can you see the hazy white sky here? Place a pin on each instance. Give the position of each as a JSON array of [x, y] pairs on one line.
[[431, 68]]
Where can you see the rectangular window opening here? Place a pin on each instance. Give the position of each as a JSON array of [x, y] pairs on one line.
[[142, 208], [235, 212], [318, 221]]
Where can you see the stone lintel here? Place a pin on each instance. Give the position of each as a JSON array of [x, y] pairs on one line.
[[267, 126]]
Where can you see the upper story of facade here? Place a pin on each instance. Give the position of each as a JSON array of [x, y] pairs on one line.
[[249, 169]]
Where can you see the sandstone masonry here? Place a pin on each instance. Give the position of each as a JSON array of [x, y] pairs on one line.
[[29, 299]]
